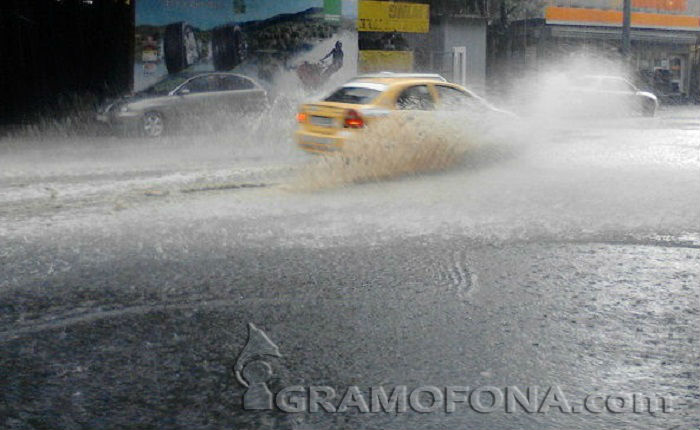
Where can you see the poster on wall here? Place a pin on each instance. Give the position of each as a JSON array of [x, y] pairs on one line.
[[258, 38], [382, 29], [375, 61]]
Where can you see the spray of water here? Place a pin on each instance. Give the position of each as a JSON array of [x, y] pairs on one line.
[[558, 90], [404, 145], [546, 174]]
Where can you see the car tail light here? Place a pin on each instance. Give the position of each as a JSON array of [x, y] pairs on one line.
[[301, 117], [353, 120]]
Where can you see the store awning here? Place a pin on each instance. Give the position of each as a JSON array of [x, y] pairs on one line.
[[603, 33]]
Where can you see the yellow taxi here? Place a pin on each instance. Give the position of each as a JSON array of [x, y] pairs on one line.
[[325, 125]]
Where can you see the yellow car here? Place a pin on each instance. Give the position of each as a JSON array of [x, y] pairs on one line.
[[327, 124]]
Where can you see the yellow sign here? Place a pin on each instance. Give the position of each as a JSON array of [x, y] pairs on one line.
[[390, 61], [393, 16]]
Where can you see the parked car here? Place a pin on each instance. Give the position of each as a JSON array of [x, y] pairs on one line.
[[152, 111], [609, 95], [327, 124]]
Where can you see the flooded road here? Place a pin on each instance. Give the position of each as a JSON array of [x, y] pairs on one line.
[[567, 256]]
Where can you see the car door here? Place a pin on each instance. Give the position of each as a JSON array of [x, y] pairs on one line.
[[619, 95], [240, 94], [458, 107], [581, 97], [195, 96], [415, 102], [455, 105], [455, 100]]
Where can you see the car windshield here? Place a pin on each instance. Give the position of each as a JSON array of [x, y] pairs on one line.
[[615, 84], [353, 95]]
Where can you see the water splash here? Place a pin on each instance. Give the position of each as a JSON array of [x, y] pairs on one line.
[[401, 146]]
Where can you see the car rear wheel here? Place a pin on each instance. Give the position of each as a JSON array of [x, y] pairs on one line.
[[153, 125], [648, 108]]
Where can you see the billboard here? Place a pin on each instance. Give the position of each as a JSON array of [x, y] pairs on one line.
[[377, 61], [393, 17], [253, 37]]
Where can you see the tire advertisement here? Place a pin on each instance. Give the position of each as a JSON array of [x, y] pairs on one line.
[[258, 38]]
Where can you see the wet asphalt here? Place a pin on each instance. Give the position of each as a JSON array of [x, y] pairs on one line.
[[575, 265]]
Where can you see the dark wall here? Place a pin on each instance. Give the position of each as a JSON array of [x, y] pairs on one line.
[[53, 52]]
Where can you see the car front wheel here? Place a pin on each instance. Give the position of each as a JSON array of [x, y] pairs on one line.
[[648, 108], [153, 124]]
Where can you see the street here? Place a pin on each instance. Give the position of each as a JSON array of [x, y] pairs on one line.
[[567, 255]]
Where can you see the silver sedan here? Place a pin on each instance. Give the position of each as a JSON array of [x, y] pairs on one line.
[[153, 111]]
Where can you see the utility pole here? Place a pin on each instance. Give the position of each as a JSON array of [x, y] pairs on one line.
[[626, 24]]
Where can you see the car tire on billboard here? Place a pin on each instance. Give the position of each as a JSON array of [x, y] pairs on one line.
[[180, 46], [228, 47]]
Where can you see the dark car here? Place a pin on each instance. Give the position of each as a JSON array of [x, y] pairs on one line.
[[152, 111]]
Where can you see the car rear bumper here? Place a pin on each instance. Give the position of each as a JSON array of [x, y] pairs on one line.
[[320, 143]]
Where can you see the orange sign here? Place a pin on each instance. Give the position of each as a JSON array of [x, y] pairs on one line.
[[613, 18]]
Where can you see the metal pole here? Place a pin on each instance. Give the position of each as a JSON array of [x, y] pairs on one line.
[[626, 24]]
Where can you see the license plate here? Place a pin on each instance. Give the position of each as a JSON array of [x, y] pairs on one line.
[[323, 121]]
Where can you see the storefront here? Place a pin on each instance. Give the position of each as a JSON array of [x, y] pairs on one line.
[[404, 37], [663, 38]]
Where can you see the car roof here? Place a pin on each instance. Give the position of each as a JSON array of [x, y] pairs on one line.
[[192, 75], [384, 83], [197, 74], [397, 75], [394, 81], [619, 78], [389, 78]]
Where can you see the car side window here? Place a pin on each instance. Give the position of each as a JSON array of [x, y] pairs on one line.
[[233, 83], [615, 85], [202, 84], [454, 99], [415, 98]]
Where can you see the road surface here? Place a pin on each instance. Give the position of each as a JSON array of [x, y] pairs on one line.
[[130, 271]]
